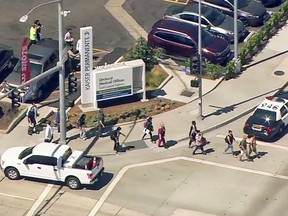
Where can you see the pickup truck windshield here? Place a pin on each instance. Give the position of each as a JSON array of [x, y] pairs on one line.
[[25, 152], [66, 155]]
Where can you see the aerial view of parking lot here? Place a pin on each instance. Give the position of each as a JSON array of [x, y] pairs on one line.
[[143, 108]]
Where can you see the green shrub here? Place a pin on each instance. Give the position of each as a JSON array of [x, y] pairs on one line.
[[141, 50], [229, 71], [213, 71], [154, 80]]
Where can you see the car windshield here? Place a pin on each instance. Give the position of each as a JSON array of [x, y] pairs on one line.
[[266, 115], [215, 17], [207, 38], [66, 155], [241, 4], [25, 152]]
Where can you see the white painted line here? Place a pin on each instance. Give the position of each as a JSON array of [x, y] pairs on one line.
[[40, 200], [18, 197], [126, 168], [270, 145]]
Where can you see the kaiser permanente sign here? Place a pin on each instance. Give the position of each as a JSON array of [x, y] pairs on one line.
[[107, 81]]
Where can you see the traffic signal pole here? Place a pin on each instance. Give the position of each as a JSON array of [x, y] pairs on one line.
[[200, 115]]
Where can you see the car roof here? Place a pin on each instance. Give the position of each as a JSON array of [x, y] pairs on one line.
[[177, 26], [5, 47], [273, 104], [50, 149], [40, 53]]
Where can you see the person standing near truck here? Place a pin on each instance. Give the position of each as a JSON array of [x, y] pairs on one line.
[[32, 35]]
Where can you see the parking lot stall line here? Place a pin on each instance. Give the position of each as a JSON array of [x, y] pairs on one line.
[[113, 184], [40, 200]]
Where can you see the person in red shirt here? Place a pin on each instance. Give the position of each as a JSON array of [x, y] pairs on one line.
[[161, 136]]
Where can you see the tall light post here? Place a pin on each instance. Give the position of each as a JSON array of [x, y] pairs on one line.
[[60, 63], [200, 115], [235, 31]]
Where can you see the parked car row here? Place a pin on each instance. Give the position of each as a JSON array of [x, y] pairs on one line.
[[177, 32]]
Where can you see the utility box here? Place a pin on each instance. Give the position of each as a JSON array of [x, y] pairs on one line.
[[194, 83]]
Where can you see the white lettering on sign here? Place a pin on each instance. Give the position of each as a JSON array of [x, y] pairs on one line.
[[86, 37]]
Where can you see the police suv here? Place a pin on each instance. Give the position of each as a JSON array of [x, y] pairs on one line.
[[268, 119]]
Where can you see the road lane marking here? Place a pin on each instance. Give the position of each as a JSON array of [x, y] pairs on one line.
[[113, 184], [40, 199], [18, 197], [271, 145]]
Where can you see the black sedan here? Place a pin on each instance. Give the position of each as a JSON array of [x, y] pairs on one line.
[[250, 12], [271, 3]]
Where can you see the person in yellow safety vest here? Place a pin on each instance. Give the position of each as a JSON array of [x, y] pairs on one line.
[[32, 35]]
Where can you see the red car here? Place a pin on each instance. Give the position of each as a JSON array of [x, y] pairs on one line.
[[181, 39]]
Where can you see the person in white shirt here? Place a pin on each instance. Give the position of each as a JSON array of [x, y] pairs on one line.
[[69, 38], [79, 46], [48, 132]]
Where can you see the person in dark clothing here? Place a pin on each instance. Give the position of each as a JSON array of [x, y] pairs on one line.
[[192, 133], [81, 123], [229, 140], [101, 125], [39, 26], [115, 134], [148, 128]]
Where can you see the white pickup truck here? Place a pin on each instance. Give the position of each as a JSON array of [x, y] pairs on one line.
[[52, 162]]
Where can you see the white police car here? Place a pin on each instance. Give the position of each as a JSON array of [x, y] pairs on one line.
[[268, 119]]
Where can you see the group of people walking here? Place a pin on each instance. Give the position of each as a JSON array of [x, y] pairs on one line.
[[197, 141]]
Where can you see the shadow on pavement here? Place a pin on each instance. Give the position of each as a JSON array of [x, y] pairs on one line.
[[232, 107], [170, 143], [105, 178]]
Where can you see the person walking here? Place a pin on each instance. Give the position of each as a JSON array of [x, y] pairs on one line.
[[115, 134], [32, 35], [200, 142], [192, 133], [251, 140], [81, 124], [69, 38], [48, 132], [39, 27], [148, 128], [32, 114], [161, 136], [229, 139], [101, 125], [243, 149]]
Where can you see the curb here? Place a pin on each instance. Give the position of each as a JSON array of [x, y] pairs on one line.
[[15, 122]]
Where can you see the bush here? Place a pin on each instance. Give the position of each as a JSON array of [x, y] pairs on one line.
[[141, 50], [229, 71], [214, 71]]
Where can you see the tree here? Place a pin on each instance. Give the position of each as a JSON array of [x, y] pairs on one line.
[[142, 50]]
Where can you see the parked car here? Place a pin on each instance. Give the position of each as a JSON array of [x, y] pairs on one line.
[[212, 20], [268, 119], [181, 39], [42, 57], [54, 162], [6, 57], [250, 12], [271, 3]]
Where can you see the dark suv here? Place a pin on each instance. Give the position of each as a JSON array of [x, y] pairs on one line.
[[42, 57], [181, 39], [250, 12], [6, 57]]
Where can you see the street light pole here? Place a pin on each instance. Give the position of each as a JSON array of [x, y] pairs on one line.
[[61, 75], [60, 63], [235, 30], [200, 61]]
